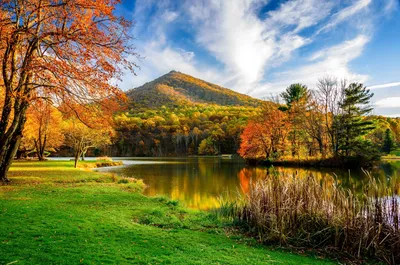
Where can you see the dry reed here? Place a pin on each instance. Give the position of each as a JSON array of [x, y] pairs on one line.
[[319, 214]]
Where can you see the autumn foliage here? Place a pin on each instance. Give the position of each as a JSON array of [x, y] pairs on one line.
[[68, 51], [265, 136], [42, 131]]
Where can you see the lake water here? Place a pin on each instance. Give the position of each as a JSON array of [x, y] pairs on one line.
[[199, 182]]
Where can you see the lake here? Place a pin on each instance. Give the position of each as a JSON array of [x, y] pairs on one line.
[[199, 182]]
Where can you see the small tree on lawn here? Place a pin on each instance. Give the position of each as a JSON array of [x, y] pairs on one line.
[[81, 137]]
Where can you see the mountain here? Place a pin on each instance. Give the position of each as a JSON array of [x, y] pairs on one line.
[[177, 89]]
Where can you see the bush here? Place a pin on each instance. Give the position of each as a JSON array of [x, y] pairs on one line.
[[123, 181], [108, 163], [104, 158], [132, 184]]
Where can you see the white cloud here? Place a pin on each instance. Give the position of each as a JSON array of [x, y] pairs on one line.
[[347, 50], [247, 45], [332, 61], [391, 102], [346, 13], [394, 84], [300, 13], [169, 16]]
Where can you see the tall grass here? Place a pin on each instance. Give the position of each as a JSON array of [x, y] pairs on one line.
[[309, 213]]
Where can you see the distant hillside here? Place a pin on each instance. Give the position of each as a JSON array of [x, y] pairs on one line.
[[177, 89]]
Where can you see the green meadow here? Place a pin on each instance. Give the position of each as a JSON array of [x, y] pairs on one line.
[[53, 213]]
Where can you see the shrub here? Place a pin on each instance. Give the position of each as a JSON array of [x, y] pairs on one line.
[[108, 164], [132, 184], [123, 180], [103, 158], [173, 203]]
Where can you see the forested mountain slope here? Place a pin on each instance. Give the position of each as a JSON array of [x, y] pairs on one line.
[[176, 89], [177, 114]]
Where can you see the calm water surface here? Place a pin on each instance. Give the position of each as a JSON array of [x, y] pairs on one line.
[[199, 182]]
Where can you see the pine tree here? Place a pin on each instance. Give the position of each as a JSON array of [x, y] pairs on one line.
[[294, 93], [352, 123], [388, 142], [296, 97]]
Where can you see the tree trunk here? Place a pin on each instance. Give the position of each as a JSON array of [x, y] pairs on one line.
[[39, 153], [10, 139], [9, 150], [76, 159], [42, 149], [7, 160], [19, 154]]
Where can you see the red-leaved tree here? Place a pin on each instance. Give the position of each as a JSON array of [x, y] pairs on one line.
[[264, 137]]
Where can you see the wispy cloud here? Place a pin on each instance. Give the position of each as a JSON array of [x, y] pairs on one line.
[[393, 115], [345, 14], [390, 102], [331, 61], [391, 5], [246, 44], [394, 84]]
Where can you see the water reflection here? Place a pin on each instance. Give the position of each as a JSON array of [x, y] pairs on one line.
[[199, 182]]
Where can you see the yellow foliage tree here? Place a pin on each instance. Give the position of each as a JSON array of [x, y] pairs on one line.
[[81, 137], [43, 129]]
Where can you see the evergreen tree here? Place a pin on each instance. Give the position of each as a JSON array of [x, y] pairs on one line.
[[352, 125], [388, 142], [294, 93], [296, 97]]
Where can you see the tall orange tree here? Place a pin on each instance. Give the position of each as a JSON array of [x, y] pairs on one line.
[[68, 50]]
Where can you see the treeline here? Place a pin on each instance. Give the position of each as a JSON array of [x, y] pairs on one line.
[[187, 130], [329, 124]]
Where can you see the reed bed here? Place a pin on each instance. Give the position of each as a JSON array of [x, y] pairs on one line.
[[319, 214]]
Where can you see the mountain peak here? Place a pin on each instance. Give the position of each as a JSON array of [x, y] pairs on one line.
[[177, 89]]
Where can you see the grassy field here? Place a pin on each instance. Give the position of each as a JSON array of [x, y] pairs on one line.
[[55, 214]]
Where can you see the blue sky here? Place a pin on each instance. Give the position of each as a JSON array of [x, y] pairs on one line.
[[259, 47]]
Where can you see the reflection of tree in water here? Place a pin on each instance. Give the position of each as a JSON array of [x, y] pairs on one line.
[[248, 175], [200, 182], [390, 168], [244, 178]]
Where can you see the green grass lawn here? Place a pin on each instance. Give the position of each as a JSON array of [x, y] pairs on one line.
[[55, 214]]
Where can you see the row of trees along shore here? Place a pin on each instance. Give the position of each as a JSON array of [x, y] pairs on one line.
[[328, 125], [314, 126], [309, 125]]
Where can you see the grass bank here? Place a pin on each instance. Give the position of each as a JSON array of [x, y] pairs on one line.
[[55, 214]]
